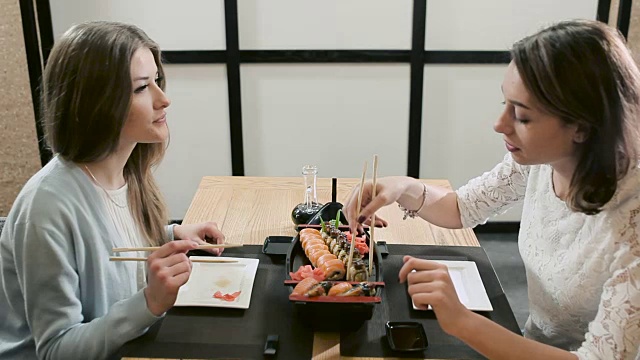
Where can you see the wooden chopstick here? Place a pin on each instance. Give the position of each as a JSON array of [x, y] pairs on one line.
[[154, 248], [373, 216], [122, 258], [353, 236]]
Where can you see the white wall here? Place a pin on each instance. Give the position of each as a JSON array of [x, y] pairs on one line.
[[327, 24], [198, 119], [495, 24], [333, 115], [175, 25]]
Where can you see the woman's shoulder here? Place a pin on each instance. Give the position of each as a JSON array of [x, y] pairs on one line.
[[622, 213], [533, 176], [59, 184], [54, 178], [510, 168], [627, 195]]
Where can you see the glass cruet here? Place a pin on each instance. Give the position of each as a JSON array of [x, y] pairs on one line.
[[304, 211]]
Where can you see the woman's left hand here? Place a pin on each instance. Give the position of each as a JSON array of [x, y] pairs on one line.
[[203, 233], [431, 284]]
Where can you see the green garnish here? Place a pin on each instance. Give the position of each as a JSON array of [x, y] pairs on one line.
[[338, 218], [324, 229]]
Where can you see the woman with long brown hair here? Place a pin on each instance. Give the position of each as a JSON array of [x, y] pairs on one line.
[[571, 129], [104, 113]]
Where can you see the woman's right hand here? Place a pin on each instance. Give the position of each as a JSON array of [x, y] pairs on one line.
[[169, 268], [388, 190]]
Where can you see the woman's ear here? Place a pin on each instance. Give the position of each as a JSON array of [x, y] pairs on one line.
[[580, 135]]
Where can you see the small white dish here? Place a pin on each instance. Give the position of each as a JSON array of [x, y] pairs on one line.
[[468, 284], [208, 278]]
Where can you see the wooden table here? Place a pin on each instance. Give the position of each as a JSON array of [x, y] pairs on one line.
[[248, 209]]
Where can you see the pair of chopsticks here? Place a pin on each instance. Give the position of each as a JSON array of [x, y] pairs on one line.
[[154, 248], [122, 258], [373, 217]]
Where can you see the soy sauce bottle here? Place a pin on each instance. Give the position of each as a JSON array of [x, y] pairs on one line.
[[304, 211]]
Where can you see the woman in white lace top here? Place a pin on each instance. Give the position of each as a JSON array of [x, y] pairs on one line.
[[570, 125]]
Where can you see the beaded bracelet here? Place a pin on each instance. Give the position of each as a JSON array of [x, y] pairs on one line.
[[413, 213]]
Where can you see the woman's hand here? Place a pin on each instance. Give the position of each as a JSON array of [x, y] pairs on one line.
[[388, 191], [203, 234], [169, 268], [431, 284]]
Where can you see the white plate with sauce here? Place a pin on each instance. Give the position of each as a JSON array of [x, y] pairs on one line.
[[208, 278]]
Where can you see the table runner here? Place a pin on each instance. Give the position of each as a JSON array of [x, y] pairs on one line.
[[202, 332], [370, 339]]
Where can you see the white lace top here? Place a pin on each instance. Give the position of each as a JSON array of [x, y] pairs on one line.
[[583, 272]]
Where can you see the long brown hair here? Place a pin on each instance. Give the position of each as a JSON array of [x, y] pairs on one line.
[[86, 96], [582, 72]]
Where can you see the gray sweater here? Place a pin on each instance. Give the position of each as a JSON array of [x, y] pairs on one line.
[[60, 296]]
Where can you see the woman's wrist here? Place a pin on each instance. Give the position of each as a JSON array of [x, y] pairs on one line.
[[175, 232], [414, 197], [465, 325], [155, 309]]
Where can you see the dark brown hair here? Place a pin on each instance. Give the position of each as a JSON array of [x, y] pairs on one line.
[[582, 72], [86, 96]]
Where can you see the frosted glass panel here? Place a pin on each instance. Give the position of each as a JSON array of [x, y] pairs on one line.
[[328, 24], [332, 116], [199, 123], [461, 104], [495, 24], [175, 25]]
